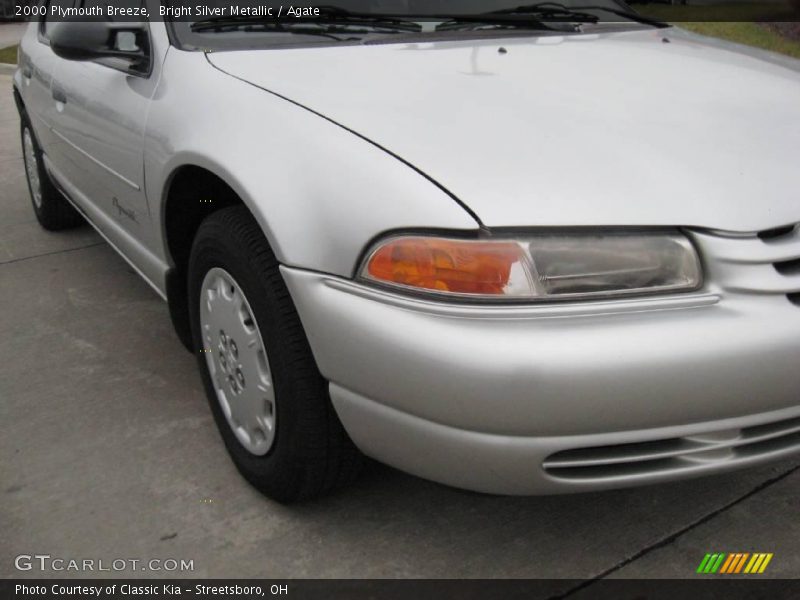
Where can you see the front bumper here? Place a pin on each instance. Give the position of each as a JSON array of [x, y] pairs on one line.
[[558, 398]]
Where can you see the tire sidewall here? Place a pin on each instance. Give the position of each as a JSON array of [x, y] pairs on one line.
[[55, 212], [228, 253], [43, 177]]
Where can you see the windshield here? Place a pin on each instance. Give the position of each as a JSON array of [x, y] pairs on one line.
[[252, 24]]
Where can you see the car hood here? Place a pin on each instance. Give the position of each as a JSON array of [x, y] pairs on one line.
[[646, 127]]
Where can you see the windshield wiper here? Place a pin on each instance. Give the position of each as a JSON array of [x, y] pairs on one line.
[[255, 26], [556, 8], [328, 16], [525, 19]]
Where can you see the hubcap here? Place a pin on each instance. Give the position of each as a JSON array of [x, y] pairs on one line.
[[32, 167], [237, 361]]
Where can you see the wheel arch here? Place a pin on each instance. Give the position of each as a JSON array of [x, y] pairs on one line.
[[18, 100], [191, 193]]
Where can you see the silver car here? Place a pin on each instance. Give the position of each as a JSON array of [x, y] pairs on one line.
[[515, 250]]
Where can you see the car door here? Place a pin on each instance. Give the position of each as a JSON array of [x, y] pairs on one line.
[[101, 112], [37, 66]]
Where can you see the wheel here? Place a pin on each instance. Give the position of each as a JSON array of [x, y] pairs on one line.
[[53, 211], [269, 400]]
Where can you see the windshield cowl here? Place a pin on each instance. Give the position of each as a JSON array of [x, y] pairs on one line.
[[382, 21]]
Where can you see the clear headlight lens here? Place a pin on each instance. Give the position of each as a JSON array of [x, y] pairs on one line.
[[537, 267]]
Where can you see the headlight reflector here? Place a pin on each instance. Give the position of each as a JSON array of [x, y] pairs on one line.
[[609, 264], [537, 267]]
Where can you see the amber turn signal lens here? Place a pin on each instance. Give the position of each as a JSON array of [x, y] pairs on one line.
[[449, 265]]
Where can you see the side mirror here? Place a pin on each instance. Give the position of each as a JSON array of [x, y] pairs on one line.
[[89, 40]]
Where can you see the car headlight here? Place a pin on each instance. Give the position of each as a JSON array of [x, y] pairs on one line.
[[552, 266]]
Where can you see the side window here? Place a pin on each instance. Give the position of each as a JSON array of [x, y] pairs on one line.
[[50, 18], [126, 40]]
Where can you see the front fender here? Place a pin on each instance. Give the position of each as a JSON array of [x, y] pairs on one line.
[[319, 192]]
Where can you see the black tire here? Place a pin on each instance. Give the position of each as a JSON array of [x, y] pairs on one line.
[[311, 454], [53, 212]]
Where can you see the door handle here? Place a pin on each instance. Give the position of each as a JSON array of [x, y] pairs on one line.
[[27, 72], [59, 95]]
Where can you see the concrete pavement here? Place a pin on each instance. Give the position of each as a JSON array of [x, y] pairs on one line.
[[11, 33], [108, 450]]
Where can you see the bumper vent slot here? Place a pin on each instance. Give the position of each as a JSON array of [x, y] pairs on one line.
[[675, 455]]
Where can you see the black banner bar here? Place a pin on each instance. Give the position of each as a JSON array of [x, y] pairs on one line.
[[711, 587], [196, 10]]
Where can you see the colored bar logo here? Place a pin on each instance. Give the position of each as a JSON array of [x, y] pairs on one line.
[[735, 563]]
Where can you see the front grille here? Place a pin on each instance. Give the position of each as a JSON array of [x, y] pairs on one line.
[[763, 263], [789, 267], [778, 232], [676, 454]]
